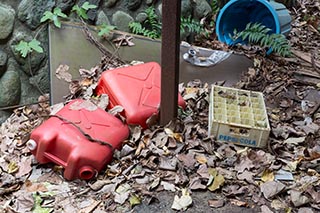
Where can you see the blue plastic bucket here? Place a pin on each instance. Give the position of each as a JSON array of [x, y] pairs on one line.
[[236, 14]]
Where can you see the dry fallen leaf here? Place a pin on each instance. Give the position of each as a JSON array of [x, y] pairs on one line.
[[271, 188], [265, 209], [63, 74], [168, 186], [295, 140], [239, 203], [267, 175], [216, 203], [182, 203], [217, 183], [201, 159], [297, 198]]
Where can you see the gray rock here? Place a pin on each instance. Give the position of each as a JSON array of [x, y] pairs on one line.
[[186, 8], [10, 88], [29, 93], [36, 58], [31, 11], [92, 13], [110, 3], [122, 20], [41, 80], [141, 17], [65, 5], [6, 20], [133, 4], [202, 9], [3, 61], [4, 115], [149, 2], [102, 18]]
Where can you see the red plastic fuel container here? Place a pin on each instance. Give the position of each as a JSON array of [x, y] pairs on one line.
[[64, 139], [136, 89]]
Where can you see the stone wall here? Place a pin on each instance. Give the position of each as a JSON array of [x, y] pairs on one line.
[[23, 80]]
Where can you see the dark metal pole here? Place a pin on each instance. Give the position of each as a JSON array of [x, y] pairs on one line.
[[170, 51]]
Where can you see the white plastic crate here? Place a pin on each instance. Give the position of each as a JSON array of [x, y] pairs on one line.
[[238, 116]]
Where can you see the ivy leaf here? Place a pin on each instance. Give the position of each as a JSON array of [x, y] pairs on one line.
[[87, 6], [35, 45], [46, 16], [57, 11], [23, 48], [105, 30], [56, 22], [80, 12]]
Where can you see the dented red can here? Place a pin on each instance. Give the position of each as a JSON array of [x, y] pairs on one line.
[[61, 139], [136, 89]]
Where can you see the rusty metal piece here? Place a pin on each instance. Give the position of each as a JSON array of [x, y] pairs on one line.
[[170, 50]]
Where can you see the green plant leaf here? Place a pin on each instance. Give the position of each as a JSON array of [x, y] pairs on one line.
[[35, 45], [105, 30], [57, 11], [80, 11], [23, 48], [87, 6], [37, 208], [46, 16], [56, 21]]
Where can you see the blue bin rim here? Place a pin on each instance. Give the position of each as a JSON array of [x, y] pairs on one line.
[[264, 2]]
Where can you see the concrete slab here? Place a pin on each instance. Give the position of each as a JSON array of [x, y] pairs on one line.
[[69, 46]]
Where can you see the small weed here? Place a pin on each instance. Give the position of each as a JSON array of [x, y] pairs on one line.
[[27, 47], [104, 30], [53, 16], [82, 11]]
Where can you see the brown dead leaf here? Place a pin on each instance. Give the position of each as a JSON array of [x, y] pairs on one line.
[[24, 167], [297, 198], [265, 209], [239, 203], [35, 187], [216, 203], [123, 40], [187, 159], [84, 73], [201, 159], [63, 74], [195, 183], [271, 188], [24, 201], [168, 164], [74, 87], [247, 176], [245, 163], [86, 104], [203, 171]]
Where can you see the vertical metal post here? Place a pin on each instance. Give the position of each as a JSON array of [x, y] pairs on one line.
[[170, 50]]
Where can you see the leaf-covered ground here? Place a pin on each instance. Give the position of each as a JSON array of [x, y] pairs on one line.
[[178, 167]]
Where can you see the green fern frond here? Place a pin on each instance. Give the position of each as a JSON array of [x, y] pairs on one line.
[[256, 33]]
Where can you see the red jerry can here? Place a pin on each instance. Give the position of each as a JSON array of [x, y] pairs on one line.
[[136, 89], [80, 137]]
